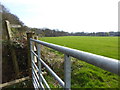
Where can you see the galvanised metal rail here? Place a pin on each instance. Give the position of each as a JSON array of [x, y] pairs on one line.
[[109, 64]]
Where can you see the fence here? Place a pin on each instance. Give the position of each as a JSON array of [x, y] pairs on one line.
[[105, 63]]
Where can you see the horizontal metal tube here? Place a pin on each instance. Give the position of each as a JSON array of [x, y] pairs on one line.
[[34, 77], [35, 66], [38, 78], [36, 74], [105, 63], [40, 75], [34, 83], [46, 84], [50, 70]]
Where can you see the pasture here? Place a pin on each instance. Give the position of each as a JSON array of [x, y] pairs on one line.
[[106, 46], [85, 75]]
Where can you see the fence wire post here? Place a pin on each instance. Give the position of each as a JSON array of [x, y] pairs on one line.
[[39, 63], [67, 72]]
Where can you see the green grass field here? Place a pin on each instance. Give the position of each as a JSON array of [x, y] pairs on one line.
[[85, 75], [106, 46]]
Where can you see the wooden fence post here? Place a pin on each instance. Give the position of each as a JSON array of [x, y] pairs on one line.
[[29, 35], [8, 30], [35, 48], [12, 50], [0, 46]]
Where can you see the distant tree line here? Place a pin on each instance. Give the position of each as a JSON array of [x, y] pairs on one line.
[[112, 33], [55, 32], [46, 32]]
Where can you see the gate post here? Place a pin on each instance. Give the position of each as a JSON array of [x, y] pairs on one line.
[[29, 35]]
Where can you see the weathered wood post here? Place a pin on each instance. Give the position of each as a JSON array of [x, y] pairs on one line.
[[8, 30], [0, 46], [12, 50], [35, 48], [29, 35]]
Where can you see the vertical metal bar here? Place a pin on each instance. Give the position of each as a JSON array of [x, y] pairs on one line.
[[67, 72], [32, 57], [39, 63]]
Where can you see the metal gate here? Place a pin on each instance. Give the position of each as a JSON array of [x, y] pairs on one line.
[[109, 64]]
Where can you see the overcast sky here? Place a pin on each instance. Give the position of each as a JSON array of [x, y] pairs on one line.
[[67, 15]]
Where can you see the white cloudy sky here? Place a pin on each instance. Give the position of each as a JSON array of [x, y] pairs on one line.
[[67, 15]]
